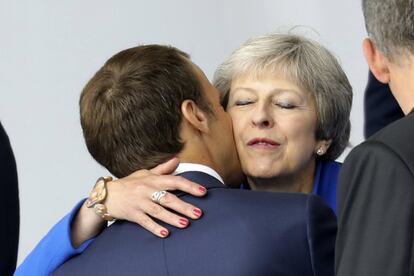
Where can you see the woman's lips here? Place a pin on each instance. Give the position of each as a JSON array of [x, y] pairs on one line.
[[263, 143]]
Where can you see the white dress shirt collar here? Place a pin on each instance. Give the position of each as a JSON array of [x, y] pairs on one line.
[[187, 167]]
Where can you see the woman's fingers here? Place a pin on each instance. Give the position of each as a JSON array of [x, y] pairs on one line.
[[166, 168], [174, 182], [145, 219], [173, 202], [125, 200], [164, 215], [130, 198], [149, 224], [160, 177], [145, 178]]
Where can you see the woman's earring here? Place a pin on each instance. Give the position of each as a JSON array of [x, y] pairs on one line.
[[320, 151]]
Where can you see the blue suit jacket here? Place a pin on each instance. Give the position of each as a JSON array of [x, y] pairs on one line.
[[241, 233]]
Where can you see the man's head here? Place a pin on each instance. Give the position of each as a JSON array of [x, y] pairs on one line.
[[148, 104], [389, 50]]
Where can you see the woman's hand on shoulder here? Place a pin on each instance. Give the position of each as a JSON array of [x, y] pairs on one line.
[[129, 198]]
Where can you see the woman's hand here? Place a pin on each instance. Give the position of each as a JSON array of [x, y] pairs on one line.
[[129, 198]]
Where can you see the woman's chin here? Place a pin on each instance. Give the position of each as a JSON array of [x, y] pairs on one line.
[[261, 173]]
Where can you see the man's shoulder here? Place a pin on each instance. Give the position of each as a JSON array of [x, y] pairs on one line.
[[240, 197], [394, 142], [385, 158], [275, 205], [246, 201], [398, 132]]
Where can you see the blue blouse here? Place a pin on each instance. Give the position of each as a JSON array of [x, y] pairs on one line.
[[326, 181]]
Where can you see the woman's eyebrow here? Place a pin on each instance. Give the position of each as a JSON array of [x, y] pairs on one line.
[[276, 90], [243, 89]]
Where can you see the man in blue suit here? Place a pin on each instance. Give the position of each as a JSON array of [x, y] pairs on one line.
[[150, 103]]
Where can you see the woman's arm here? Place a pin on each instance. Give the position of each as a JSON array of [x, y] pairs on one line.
[[53, 250], [128, 198]]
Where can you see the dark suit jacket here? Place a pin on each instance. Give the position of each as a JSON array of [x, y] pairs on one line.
[[376, 205], [380, 106], [241, 233], [9, 207]]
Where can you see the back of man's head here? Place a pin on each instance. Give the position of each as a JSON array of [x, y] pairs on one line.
[[390, 24], [130, 109]]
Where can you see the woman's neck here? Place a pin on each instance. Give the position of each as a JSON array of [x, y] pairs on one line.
[[299, 183]]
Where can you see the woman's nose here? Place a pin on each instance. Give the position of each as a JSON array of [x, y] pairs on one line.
[[262, 117]]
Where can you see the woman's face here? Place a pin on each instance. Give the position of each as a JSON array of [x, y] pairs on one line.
[[274, 124]]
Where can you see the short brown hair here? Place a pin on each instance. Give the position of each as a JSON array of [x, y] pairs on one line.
[[131, 108]]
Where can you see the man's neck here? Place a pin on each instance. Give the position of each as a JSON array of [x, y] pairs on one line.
[[196, 153], [402, 82]]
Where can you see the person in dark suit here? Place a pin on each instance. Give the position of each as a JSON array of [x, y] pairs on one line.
[[150, 103], [9, 210], [380, 106], [376, 188], [241, 233]]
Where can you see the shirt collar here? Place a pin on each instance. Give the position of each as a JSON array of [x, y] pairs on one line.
[[188, 167]]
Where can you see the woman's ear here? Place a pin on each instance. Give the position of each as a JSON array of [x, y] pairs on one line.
[[376, 60], [322, 146], [194, 116]]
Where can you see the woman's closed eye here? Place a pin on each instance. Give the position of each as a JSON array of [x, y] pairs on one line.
[[285, 104], [243, 102]]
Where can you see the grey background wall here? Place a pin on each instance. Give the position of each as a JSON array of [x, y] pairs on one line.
[[49, 49]]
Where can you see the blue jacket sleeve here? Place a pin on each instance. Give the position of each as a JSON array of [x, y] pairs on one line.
[[53, 250]]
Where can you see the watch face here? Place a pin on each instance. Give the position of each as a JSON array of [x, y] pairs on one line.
[[98, 193]]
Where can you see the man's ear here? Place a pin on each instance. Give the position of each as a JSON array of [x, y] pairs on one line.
[[194, 116], [376, 60]]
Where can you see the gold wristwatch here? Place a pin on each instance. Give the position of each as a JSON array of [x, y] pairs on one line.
[[97, 197]]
